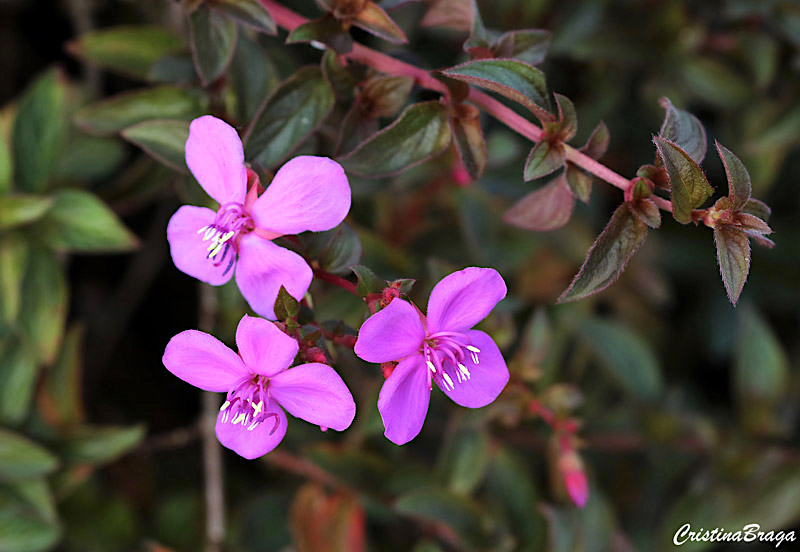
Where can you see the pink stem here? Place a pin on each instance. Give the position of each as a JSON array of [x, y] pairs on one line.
[[288, 19]]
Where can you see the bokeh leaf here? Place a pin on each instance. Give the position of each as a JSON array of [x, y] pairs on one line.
[[18, 209], [548, 208], [21, 458], [162, 139], [98, 445], [13, 261], [18, 374], [213, 40], [249, 12], [374, 20], [458, 513], [335, 250], [468, 137], [44, 304]]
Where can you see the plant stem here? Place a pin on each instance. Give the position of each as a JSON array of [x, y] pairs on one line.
[[212, 452], [346, 285], [288, 19]]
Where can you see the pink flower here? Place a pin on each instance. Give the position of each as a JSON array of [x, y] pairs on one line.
[[571, 468], [251, 421], [308, 193], [466, 364]]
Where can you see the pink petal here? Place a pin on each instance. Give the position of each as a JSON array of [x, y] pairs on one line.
[[403, 401], [392, 333], [258, 442], [203, 361], [264, 348], [487, 378], [189, 251], [308, 193], [263, 268], [314, 393], [464, 298], [214, 155]]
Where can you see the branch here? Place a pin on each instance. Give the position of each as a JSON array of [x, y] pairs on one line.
[[288, 19], [346, 285]]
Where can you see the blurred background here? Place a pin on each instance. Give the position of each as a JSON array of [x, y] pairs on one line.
[[685, 409]]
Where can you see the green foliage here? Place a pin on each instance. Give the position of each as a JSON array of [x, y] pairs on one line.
[[163, 139], [689, 185], [213, 39], [21, 458]]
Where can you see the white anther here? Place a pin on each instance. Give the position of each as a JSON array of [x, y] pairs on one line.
[[431, 366], [464, 370], [448, 380], [257, 407], [253, 425], [473, 349], [225, 405]]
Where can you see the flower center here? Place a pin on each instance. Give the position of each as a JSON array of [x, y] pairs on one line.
[[246, 404], [231, 221], [445, 353]]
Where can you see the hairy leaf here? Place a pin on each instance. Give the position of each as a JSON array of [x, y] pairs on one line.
[[627, 357], [286, 306], [733, 255], [123, 110], [39, 130], [528, 45], [685, 130], [213, 40], [468, 137], [290, 113], [608, 255], [327, 30], [249, 12], [689, 185], [419, 133], [131, 50], [368, 281], [757, 208], [567, 118], [79, 221], [374, 20], [334, 250], [385, 96], [548, 208], [647, 211], [545, 158], [163, 139], [597, 144], [580, 182], [513, 79], [739, 186]]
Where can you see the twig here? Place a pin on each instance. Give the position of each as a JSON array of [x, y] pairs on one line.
[[212, 452], [346, 285]]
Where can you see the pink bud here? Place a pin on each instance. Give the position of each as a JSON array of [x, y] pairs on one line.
[[571, 468], [388, 368]]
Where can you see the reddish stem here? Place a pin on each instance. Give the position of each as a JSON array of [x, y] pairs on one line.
[[346, 285]]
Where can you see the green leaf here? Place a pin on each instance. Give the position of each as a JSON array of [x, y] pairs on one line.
[[757, 208], [252, 77], [21, 458], [626, 357], [690, 188], [97, 445], [714, 82], [548, 208], [13, 260], [290, 114], [213, 40], [286, 306], [374, 20], [761, 365], [461, 515], [580, 182], [123, 110], [545, 158], [164, 140], [44, 304], [647, 211], [464, 457], [515, 80], [18, 375], [17, 210], [6, 166], [131, 50], [174, 69], [684, 129], [739, 186], [608, 256], [60, 395], [469, 140], [567, 118], [327, 30], [733, 255], [28, 521], [385, 96], [419, 133], [344, 79], [597, 144], [529, 45], [335, 250], [249, 12], [90, 157], [368, 281], [39, 131], [79, 221], [356, 127]]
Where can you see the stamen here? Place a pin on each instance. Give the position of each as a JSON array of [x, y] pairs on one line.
[[473, 349], [448, 380], [225, 405], [431, 366]]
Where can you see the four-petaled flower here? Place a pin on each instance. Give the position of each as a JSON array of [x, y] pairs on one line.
[[466, 364], [251, 420], [307, 193]]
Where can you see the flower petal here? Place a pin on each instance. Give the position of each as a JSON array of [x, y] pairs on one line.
[[392, 333], [257, 442], [189, 251], [203, 361], [215, 156], [308, 193], [315, 393], [487, 378], [464, 298], [264, 348], [263, 268], [403, 400]]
